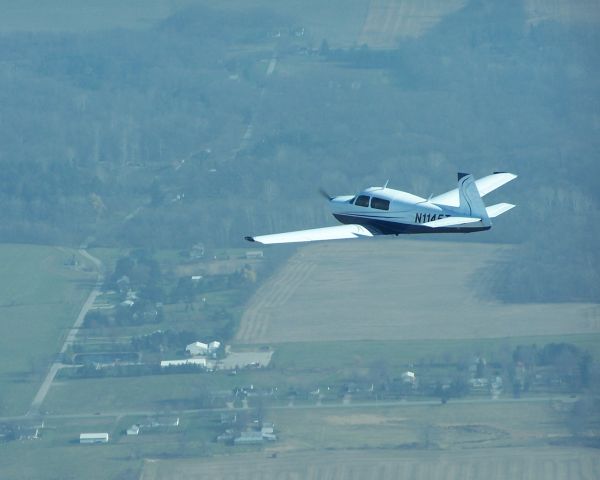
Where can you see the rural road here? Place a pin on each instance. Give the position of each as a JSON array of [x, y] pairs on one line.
[[327, 406], [71, 335]]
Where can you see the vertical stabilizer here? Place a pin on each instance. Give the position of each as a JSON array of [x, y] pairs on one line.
[[470, 202]]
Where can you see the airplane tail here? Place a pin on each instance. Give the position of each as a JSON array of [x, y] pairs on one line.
[[467, 202], [470, 202]]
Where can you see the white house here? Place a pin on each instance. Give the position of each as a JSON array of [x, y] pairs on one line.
[[409, 377], [197, 348], [93, 438]]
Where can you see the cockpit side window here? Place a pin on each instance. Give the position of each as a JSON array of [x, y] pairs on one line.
[[362, 201], [380, 203]]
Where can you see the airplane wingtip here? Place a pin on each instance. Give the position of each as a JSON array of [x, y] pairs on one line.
[[512, 175], [250, 239]]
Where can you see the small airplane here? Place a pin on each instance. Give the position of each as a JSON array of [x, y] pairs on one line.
[[385, 211]]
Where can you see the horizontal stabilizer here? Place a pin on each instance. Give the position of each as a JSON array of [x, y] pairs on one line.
[[451, 222], [338, 232], [498, 209], [485, 185]]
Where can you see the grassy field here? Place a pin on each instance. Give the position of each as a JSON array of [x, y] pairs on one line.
[[566, 11], [82, 15], [472, 440], [58, 454], [307, 356], [546, 463], [90, 15], [39, 301], [131, 393], [443, 427], [397, 289], [170, 392], [479, 441], [389, 20]]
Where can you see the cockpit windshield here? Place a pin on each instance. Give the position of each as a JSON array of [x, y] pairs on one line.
[[362, 201], [380, 203]]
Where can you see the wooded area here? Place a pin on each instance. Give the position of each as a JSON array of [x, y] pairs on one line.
[[166, 136]]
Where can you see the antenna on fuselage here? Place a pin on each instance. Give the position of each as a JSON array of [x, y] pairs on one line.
[[386, 183]]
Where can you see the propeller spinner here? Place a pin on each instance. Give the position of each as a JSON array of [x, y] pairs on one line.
[[325, 194]]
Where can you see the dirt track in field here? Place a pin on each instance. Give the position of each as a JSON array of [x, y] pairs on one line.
[[394, 289], [487, 464], [564, 11], [389, 20]]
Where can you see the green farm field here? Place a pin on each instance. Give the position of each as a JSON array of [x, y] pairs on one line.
[[341, 26], [342, 441], [400, 289], [307, 356], [488, 440], [456, 425], [493, 464], [59, 455], [145, 393], [39, 301]]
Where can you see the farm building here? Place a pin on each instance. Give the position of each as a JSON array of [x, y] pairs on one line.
[[226, 437], [268, 427], [251, 437], [201, 362], [93, 438], [197, 251], [133, 430], [228, 418], [28, 433], [197, 348], [160, 422], [213, 346], [268, 431]]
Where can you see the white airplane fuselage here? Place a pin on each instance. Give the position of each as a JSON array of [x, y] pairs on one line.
[[385, 211], [396, 212]]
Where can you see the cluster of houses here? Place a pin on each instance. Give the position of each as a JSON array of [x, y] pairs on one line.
[[266, 433], [23, 430], [199, 355], [255, 433], [150, 423], [479, 382]]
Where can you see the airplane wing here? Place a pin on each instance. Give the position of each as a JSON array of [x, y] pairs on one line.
[[498, 209], [328, 233], [485, 185], [451, 222]]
